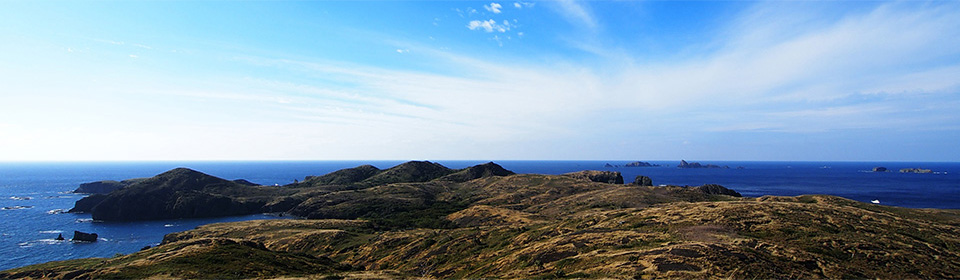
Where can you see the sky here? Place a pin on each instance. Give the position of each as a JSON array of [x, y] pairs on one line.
[[489, 80]]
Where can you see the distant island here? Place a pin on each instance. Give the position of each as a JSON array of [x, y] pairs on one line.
[[685, 164], [916, 170], [423, 220], [634, 164]]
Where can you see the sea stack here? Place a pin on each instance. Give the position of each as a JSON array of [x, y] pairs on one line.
[[85, 237]]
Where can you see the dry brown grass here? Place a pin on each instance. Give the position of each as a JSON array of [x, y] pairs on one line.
[[538, 226]]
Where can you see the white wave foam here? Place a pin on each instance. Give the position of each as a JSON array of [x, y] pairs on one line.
[[51, 231]]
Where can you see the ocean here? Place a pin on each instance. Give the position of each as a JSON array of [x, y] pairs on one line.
[[33, 196]]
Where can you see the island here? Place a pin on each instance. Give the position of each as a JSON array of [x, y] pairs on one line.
[[640, 164], [423, 220], [685, 164], [916, 170]]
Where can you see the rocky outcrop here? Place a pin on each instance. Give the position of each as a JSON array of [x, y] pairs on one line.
[[643, 181], [717, 189], [685, 164], [84, 237], [477, 172], [880, 169], [610, 177], [104, 187]]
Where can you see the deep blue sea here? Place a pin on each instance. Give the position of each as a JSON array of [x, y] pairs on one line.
[[33, 194]]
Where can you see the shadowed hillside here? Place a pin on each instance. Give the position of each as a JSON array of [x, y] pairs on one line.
[[179, 193]]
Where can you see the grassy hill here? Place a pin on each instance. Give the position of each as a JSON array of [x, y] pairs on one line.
[[543, 226]]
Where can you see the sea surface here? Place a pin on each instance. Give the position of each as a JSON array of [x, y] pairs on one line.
[[34, 196]]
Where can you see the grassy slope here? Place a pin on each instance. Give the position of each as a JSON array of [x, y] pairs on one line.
[[538, 226]]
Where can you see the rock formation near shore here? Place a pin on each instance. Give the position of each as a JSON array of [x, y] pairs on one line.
[[84, 237]]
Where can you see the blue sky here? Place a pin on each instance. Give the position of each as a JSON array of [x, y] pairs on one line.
[[605, 80]]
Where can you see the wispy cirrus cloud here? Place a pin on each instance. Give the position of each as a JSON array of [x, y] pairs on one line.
[[861, 71], [577, 13], [775, 70]]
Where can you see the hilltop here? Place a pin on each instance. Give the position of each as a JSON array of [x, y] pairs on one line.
[[505, 225], [186, 193]]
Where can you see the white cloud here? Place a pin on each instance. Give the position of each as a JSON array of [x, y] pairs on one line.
[[133, 56], [520, 5], [493, 7], [403, 50], [489, 26]]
